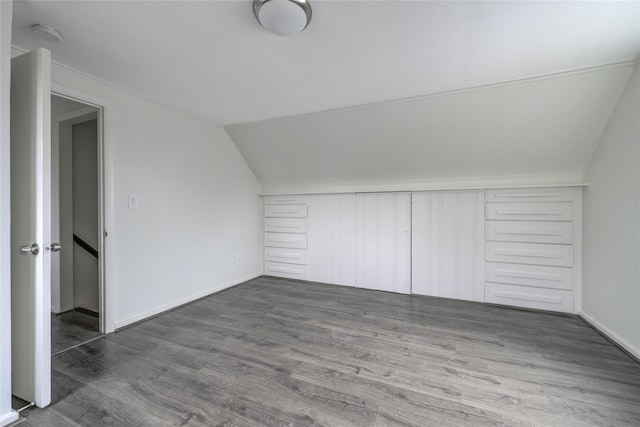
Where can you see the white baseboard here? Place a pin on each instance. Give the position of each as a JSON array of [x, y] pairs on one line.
[[182, 301], [635, 352], [8, 418]]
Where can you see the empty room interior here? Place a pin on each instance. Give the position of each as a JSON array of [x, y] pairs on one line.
[[319, 213]]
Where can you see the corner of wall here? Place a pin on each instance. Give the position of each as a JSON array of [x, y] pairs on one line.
[[611, 251], [7, 415]]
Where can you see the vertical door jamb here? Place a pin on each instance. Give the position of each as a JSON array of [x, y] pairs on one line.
[[106, 322]]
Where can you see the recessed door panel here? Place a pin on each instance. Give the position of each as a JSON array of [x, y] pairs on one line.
[[383, 242]]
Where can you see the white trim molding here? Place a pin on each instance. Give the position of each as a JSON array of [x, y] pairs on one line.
[[15, 51], [577, 256], [174, 304], [466, 89], [6, 414], [8, 418], [78, 96], [617, 339], [575, 179]]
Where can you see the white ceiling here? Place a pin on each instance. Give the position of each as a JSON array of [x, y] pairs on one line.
[[211, 59], [313, 109], [540, 126]]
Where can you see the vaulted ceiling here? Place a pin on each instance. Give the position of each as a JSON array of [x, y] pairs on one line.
[[404, 65], [542, 126]]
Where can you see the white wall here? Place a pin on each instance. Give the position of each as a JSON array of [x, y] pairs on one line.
[[611, 274], [198, 207], [63, 114], [6, 414], [85, 213]]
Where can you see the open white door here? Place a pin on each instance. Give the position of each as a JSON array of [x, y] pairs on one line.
[[31, 226]]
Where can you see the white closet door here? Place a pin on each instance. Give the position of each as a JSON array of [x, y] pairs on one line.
[[383, 240], [332, 239], [448, 244]]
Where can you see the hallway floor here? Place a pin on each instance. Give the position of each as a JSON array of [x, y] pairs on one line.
[[72, 328]]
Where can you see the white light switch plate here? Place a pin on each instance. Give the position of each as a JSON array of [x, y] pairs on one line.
[[133, 202]]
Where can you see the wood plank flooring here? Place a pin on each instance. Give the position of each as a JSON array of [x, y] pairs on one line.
[[281, 353], [72, 328]]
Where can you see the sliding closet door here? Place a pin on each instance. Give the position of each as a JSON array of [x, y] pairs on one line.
[[383, 241], [332, 239], [448, 244]]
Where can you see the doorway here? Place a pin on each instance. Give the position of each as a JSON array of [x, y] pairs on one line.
[[76, 221], [35, 207], [75, 272]]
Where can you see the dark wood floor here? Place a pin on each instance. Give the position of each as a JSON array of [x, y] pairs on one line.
[[275, 352], [72, 328]]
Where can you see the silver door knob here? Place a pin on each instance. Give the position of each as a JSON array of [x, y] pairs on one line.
[[30, 249], [55, 247]]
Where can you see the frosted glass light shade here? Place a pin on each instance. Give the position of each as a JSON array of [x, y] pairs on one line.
[[283, 17], [46, 32]]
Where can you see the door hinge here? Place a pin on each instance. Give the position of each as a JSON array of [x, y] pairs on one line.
[[104, 233]]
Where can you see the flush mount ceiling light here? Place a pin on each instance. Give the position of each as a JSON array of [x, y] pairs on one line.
[[283, 17], [46, 32]]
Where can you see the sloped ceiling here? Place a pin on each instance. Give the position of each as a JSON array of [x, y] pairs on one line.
[[534, 127], [372, 91]]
